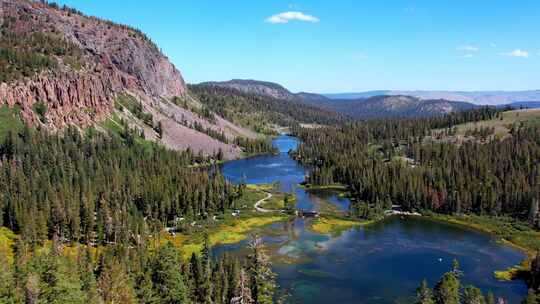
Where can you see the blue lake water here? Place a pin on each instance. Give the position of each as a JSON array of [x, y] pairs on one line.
[[381, 263]]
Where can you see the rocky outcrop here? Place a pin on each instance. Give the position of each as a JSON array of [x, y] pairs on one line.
[[115, 58], [71, 98], [95, 62]]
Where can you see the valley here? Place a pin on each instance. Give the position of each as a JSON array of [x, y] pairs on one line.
[[121, 182]]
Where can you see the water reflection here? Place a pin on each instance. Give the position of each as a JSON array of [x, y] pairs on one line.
[[382, 263]]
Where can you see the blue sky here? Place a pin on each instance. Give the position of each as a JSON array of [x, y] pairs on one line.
[[343, 45]]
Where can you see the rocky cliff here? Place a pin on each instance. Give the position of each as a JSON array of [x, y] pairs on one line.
[[111, 59], [76, 66]]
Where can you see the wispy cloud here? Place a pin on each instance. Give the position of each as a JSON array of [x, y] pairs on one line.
[[285, 17], [517, 53], [468, 56], [468, 48]]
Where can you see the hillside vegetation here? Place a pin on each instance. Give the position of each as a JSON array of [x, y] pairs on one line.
[[495, 128], [261, 112]]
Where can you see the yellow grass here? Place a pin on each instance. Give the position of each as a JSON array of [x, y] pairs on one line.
[[502, 127], [512, 272], [224, 234], [334, 225], [261, 187], [7, 239]]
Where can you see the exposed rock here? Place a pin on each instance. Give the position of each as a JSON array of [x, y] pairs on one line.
[[116, 59], [112, 59]]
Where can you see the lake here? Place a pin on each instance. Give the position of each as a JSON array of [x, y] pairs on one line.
[[381, 263]]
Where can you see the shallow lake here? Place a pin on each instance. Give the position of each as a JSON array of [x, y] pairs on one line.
[[381, 263]]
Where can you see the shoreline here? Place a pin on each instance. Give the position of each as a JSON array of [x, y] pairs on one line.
[[460, 221], [514, 272]]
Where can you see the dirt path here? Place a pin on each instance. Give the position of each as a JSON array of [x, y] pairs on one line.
[[258, 203]]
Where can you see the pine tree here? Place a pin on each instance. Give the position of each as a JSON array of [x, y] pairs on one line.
[[59, 279], [424, 294], [31, 289], [114, 284], [242, 292], [7, 281], [206, 261], [169, 282], [447, 289], [490, 299], [473, 295], [144, 288], [532, 298], [88, 280], [263, 283]]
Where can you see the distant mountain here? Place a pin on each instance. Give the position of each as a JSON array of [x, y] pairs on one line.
[[395, 106], [268, 89], [255, 87], [260, 110], [358, 95], [371, 104], [524, 104], [479, 97], [312, 97]]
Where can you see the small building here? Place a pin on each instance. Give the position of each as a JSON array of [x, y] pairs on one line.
[[309, 213]]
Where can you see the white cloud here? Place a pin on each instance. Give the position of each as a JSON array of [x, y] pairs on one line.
[[468, 56], [517, 53], [285, 17], [468, 48]]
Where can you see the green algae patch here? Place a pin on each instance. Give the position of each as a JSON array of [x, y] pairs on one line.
[[239, 229], [228, 233], [334, 226], [513, 272]]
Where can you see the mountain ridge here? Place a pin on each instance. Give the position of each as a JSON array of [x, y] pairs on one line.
[[476, 97], [65, 68], [368, 107], [495, 97]]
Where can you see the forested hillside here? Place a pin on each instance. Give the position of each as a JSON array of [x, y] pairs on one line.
[[388, 162], [60, 68], [111, 188], [259, 111], [88, 213], [393, 106], [366, 106]]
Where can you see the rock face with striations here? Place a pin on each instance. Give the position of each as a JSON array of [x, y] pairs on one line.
[[80, 89]]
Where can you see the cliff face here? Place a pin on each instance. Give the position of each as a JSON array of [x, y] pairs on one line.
[[78, 67], [110, 59]]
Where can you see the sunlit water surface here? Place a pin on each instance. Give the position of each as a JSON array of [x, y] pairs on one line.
[[381, 263]]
